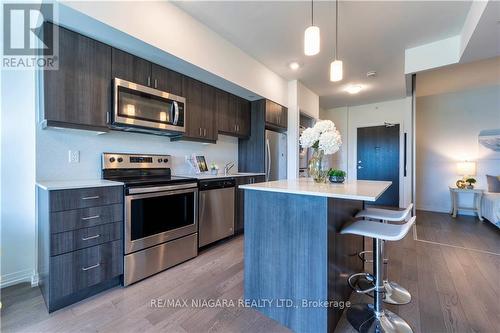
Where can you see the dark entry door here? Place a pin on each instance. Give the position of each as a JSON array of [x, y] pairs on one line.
[[378, 159]]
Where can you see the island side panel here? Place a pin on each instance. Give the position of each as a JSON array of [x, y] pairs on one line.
[[343, 252], [286, 256]]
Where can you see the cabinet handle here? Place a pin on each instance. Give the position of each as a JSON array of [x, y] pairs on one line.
[[204, 132], [90, 198], [90, 217], [235, 128], [90, 267], [156, 83], [91, 237], [149, 81], [200, 131]]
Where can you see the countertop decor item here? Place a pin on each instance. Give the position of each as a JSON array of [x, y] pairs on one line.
[[324, 139], [470, 183], [466, 169], [336, 176], [214, 169]]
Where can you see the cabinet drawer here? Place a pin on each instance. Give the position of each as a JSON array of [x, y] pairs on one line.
[[74, 240], [84, 218], [77, 270], [85, 197]]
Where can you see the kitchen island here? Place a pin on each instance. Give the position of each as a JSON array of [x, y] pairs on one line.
[[296, 262]]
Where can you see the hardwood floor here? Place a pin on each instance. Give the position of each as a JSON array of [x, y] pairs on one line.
[[453, 290]]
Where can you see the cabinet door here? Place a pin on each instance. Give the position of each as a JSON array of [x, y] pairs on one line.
[[209, 113], [239, 221], [79, 93], [243, 123], [194, 114], [225, 119], [166, 80], [271, 112], [131, 68], [283, 118]]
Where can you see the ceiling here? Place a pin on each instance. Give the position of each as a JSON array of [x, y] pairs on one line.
[[372, 37]]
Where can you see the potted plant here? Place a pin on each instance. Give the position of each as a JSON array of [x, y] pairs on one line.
[[214, 169], [336, 176], [470, 183], [323, 138]]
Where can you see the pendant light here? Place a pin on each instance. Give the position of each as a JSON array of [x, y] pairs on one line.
[[311, 36], [336, 71]]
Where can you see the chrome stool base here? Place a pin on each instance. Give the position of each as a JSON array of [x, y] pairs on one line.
[[393, 292], [364, 319]]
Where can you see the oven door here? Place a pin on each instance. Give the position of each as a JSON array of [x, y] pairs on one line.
[[136, 105], [154, 218]]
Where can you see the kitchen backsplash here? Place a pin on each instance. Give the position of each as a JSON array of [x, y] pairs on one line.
[[53, 146]]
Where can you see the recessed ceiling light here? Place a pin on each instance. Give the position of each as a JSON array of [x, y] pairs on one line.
[[371, 74], [353, 88], [294, 65]]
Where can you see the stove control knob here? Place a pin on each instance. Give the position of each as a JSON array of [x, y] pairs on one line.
[[160, 160], [165, 160], [120, 159], [111, 159]]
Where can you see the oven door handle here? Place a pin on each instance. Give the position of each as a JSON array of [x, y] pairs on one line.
[[139, 190]]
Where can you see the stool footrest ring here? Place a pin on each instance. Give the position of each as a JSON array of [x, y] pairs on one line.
[[368, 276]]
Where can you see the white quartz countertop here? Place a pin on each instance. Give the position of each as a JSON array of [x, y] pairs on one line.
[[220, 175], [366, 190], [52, 185]]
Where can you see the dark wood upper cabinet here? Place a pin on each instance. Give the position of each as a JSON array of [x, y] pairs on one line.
[[78, 94], [167, 80], [233, 114], [276, 115], [209, 113], [131, 68]]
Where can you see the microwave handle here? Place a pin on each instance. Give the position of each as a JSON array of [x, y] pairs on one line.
[[176, 112]]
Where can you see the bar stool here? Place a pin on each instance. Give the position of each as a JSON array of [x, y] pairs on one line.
[[373, 317], [395, 294]]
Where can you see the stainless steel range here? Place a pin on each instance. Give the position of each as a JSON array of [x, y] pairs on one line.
[[161, 220]]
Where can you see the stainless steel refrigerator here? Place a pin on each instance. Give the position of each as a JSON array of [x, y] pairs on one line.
[[275, 155]]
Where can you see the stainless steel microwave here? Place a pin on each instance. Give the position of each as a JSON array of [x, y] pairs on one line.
[[140, 108]]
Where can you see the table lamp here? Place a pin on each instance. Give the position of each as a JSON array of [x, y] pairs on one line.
[[466, 169]]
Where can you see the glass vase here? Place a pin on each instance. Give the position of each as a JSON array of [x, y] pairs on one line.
[[316, 166]]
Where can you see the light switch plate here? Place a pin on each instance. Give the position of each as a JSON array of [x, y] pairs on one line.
[[73, 156]]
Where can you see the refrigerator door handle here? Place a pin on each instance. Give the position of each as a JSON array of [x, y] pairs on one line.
[[268, 152]]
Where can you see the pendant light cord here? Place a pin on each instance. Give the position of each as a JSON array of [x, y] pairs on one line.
[[312, 12], [336, 27]]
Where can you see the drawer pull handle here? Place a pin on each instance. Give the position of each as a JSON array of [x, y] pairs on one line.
[[90, 217], [90, 267], [90, 198], [91, 237]]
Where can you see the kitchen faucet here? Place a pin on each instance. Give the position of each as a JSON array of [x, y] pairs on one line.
[[228, 167]]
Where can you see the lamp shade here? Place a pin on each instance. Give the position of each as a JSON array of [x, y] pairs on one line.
[[311, 41], [336, 71], [466, 168]]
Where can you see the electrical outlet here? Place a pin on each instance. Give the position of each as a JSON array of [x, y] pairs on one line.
[[73, 156]]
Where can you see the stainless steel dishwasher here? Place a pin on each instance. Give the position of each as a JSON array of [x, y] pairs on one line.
[[216, 210]]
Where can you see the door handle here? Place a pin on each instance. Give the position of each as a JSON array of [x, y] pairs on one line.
[[90, 198], [149, 81], [91, 237], [156, 83], [205, 132], [176, 112], [200, 131], [360, 167], [90, 217], [268, 171], [90, 267]]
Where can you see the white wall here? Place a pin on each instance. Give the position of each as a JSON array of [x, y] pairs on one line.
[[53, 145], [448, 125], [307, 100], [17, 158], [348, 119]]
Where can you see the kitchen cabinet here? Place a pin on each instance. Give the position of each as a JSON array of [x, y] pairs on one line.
[[239, 222], [78, 94], [200, 110], [276, 115], [80, 245], [233, 114], [167, 80], [131, 68]]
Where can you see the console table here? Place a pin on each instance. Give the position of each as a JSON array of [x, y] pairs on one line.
[[476, 205]]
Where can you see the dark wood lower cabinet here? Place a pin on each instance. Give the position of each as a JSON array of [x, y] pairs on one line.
[[239, 220], [80, 245]]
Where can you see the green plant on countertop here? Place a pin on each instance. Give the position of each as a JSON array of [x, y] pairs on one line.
[[336, 173], [214, 166]]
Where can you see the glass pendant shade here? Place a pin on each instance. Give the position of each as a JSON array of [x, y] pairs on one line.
[[336, 71], [311, 41]]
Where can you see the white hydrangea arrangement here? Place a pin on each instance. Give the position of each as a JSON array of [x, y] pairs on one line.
[[322, 136]]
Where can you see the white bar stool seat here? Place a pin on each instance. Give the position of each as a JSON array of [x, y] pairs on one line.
[[388, 215], [373, 317]]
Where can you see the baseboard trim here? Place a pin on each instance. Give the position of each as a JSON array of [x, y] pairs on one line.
[[26, 275]]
